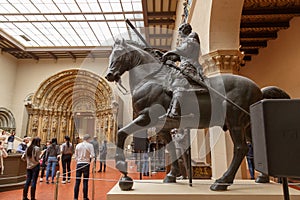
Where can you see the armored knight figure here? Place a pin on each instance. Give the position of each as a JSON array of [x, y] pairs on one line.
[[188, 54]]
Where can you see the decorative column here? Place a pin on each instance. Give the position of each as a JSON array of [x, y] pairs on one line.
[[45, 131], [110, 123], [221, 61], [214, 63], [63, 126], [115, 110]]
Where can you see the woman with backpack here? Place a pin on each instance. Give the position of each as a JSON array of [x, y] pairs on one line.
[[52, 155], [67, 152]]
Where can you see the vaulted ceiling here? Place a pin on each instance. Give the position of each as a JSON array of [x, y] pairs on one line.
[[260, 22]]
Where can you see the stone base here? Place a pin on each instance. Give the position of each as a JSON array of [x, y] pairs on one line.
[[241, 189]]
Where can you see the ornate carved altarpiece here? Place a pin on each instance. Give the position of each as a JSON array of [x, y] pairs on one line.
[[65, 96]]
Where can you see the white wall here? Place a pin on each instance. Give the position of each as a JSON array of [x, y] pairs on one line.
[[279, 63], [8, 68]]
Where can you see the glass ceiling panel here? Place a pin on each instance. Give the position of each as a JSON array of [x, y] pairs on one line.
[[6, 7], [49, 23]]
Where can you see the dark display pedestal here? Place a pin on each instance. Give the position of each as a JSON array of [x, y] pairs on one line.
[[14, 173]]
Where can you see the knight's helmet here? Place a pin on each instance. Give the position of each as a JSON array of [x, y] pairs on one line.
[[185, 29]]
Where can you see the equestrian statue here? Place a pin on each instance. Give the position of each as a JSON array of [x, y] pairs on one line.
[[167, 96]]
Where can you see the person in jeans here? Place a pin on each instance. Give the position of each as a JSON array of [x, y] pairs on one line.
[[84, 153], [32, 156], [250, 160], [43, 165], [67, 152], [52, 154]]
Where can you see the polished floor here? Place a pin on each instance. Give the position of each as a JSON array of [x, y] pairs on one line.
[[100, 185]]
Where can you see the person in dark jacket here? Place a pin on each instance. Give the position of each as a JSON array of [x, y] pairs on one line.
[[66, 152], [103, 153], [22, 146], [10, 142]]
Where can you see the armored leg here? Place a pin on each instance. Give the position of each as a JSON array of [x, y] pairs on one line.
[[174, 110]]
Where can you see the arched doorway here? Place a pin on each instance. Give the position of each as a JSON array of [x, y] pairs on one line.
[[7, 120], [72, 102]]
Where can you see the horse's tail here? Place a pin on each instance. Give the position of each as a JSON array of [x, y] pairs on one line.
[[273, 92]]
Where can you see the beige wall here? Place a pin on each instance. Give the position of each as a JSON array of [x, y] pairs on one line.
[[30, 74], [19, 78], [200, 21], [8, 69], [217, 22], [279, 63]]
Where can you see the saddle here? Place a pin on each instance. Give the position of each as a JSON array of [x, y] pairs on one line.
[[185, 79]]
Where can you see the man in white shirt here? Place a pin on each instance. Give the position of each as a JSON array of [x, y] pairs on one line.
[[84, 153]]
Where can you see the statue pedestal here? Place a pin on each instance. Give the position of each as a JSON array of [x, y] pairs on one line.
[[241, 189], [14, 176]]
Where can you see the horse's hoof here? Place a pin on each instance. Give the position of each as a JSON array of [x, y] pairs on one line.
[[122, 166], [219, 186], [125, 183], [170, 179], [262, 179]]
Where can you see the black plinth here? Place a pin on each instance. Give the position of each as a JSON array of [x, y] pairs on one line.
[[275, 128]]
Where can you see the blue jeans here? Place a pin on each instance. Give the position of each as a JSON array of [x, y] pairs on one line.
[[52, 161], [82, 168], [145, 168], [250, 162], [32, 176]]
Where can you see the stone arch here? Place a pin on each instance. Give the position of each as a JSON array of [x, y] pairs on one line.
[[218, 24], [60, 100], [7, 120]]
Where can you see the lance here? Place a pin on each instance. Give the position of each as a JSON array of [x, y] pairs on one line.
[[137, 33]]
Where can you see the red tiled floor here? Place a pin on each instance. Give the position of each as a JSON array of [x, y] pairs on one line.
[[103, 182]]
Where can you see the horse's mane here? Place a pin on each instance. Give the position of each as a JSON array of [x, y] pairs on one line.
[[165, 74], [136, 44]]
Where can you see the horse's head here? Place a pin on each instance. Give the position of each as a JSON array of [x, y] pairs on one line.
[[119, 60]]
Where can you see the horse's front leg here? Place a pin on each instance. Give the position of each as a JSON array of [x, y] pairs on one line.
[[138, 124], [174, 172]]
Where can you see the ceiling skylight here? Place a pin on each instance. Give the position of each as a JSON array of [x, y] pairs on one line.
[[63, 23]]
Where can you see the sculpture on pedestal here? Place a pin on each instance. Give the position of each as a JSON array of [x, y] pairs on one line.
[[224, 101]]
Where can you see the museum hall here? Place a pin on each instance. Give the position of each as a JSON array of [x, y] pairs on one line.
[[176, 99]]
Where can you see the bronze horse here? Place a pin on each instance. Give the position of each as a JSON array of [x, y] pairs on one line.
[[225, 103]]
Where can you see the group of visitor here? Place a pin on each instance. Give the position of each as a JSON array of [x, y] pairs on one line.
[[48, 157]]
